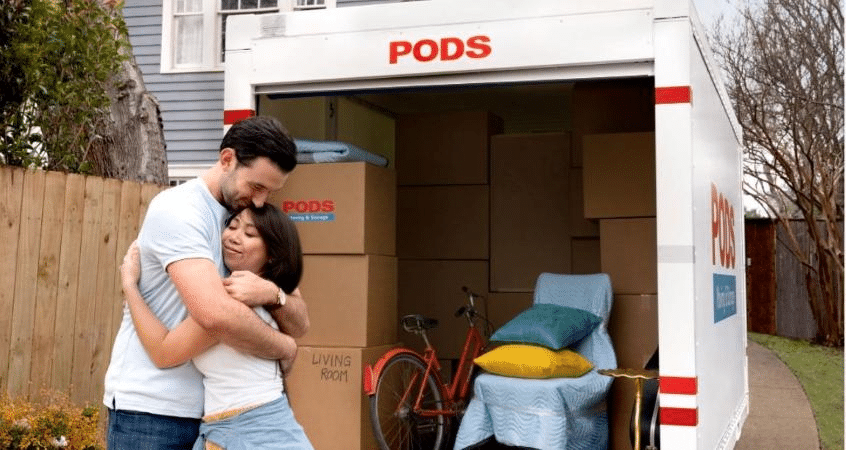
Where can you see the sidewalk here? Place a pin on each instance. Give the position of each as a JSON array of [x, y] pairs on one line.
[[780, 416]]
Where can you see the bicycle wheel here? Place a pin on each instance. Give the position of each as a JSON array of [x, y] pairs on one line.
[[395, 425]]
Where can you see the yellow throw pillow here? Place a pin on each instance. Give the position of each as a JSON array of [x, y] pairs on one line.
[[531, 361]]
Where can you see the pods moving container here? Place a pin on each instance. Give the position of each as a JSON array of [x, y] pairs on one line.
[[590, 136]]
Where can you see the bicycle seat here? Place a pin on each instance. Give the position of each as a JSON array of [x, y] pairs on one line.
[[416, 322]]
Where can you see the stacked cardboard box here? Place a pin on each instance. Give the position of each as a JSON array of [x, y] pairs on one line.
[[345, 215], [443, 218], [619, 189], [537, 223], [530, 209], [616, 153], [492, 209]]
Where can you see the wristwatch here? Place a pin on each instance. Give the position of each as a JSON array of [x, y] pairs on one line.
[[280, 300]]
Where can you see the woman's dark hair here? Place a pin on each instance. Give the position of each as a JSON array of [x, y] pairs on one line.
[[261, 136], [284, 264]]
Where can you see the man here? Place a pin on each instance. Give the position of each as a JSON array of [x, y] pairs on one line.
[[182, 273]]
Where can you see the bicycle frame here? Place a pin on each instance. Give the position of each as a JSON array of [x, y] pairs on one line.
[[458, 387], [460, 383]]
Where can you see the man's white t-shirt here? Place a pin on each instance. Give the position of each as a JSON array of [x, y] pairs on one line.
[[182, 222]]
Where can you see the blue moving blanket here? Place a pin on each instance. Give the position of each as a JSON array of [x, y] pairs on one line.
[[309, 151], [555, 413]]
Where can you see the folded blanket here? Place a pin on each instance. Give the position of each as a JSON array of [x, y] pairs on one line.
[[309, 151]]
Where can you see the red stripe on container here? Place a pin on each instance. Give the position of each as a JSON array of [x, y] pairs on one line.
[[687, 417], [678, 385], [233, 116], [672, 94]]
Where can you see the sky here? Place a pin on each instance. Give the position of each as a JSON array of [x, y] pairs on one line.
[[709, 10]]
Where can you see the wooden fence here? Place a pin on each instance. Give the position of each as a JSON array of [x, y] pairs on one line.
[[761, 276], [63, 237], [777, 299]]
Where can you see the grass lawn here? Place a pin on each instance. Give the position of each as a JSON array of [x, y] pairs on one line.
[[820, 370]]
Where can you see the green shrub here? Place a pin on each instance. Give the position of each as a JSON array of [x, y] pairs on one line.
[[50, 423], [57, 59]]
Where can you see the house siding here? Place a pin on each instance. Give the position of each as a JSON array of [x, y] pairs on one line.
[[191, 103]]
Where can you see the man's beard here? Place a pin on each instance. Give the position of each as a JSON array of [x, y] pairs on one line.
[[231, 203]]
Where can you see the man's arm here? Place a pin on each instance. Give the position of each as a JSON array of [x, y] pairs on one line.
[[225, 318], [292, 318], [253, 290]]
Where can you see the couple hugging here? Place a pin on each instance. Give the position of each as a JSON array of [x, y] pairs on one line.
[[213, 308]]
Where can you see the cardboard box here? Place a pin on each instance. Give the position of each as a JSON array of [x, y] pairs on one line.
[[352, 300], [444, 148], [502, 307], [530, 213], [433, 288], [619, 175], [629, 253], [633, 327], [586, 255], [304, 117], [611, 106], [326, 392], [443, 222], [365, 126], [580, 226], [342, 208]]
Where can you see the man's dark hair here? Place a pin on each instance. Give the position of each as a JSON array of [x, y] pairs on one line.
[[284, 253], [261, 136]]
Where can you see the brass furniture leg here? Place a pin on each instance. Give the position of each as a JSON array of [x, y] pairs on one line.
[[638, 375]]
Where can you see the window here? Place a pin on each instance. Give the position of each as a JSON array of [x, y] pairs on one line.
[[310, 4], [231, 7], [193, 31], [188, 32], [180, 173]]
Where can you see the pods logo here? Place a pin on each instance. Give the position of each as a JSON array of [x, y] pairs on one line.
[[445, 49], [310, 210], [722, 230], [308, 206]]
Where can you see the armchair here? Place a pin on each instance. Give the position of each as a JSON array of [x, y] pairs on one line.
[[553, 413]]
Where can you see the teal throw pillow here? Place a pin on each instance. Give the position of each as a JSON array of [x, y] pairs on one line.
[[552, 326]]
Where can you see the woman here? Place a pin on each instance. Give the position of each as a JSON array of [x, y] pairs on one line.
[[245, 403]]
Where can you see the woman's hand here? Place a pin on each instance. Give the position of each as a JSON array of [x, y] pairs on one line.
[[285, 365], [250, 289], [130, 270]]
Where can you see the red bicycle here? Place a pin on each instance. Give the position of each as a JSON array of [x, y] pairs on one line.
[[410, 405]]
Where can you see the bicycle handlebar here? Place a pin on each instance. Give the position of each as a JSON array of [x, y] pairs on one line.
[[469, 292], [471, 308], [416, 323]]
